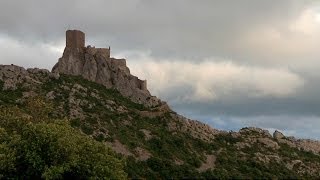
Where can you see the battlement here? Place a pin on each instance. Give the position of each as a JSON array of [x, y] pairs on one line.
[[105, 51], [75, 39]]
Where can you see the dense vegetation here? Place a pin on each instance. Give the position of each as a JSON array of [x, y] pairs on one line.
[[33, 146], [40, 139]]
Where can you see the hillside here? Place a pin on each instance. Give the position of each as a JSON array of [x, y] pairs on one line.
[[87, 120], [154, 143]]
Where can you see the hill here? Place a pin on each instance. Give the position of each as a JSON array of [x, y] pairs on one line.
[[90, 117]]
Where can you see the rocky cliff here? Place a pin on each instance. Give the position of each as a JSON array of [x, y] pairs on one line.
[[95, 64]]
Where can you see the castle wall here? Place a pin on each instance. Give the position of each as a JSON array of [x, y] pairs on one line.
[[75, 39], [104, 51], [119, 62]]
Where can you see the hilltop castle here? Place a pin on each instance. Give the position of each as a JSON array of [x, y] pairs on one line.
[[95, 64], [75, 39]]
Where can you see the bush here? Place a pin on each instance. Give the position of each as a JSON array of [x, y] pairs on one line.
[[52, 150]]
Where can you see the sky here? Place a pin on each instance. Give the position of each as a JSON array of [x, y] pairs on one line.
[[230, 64]]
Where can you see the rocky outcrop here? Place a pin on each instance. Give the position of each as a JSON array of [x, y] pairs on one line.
[[252, 136], [278, 135], [253, 131], [208, 164], [118, 147], [303, 144], [308, 145], [194, 128], [95, 64], [12, 76], [142, 154]]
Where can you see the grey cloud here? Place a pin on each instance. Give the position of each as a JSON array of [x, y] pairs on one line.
[[236, 103], [254, 107], [181, 28]]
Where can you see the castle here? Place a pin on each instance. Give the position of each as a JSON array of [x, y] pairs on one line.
[[75, 39], [95, 64]]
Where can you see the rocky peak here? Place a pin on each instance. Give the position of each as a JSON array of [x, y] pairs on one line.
[[95, 64], [278, 135], [253, 131], [12, 76]]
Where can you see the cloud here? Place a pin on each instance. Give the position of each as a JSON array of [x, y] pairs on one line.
[[285, 43], [167, 28], [211, 80], [307, 23], [28, 55]]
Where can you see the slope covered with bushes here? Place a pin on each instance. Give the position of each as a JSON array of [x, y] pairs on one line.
[[69, 127]]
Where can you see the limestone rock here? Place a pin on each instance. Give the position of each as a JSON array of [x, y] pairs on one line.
[[278, 135], [195, 128], [13, 75], [147, 134], [95, 64], [253, 131], [266, 158], [50, 95], [208, 164], [269, 143], [142, 154], [118, 147], [308, 145], [291, 164], [288, 142]]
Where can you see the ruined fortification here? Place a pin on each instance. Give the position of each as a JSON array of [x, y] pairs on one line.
[[75, 39], [96, 64]]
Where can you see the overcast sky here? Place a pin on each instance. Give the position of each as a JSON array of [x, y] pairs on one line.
[[228, 63]]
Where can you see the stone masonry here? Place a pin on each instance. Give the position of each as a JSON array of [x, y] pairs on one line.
[[75, 39]]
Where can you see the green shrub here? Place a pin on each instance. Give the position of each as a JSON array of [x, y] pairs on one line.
[[51, 149]]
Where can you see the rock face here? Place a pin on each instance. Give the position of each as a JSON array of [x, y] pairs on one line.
[[13, 75], [194, 128], [255, 131], [95, 64], [278, 135]]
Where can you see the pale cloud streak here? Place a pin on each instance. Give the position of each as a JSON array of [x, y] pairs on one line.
[[27, 54], [211, 80]]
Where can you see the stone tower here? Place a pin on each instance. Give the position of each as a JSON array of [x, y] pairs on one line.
[[75, 39]]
